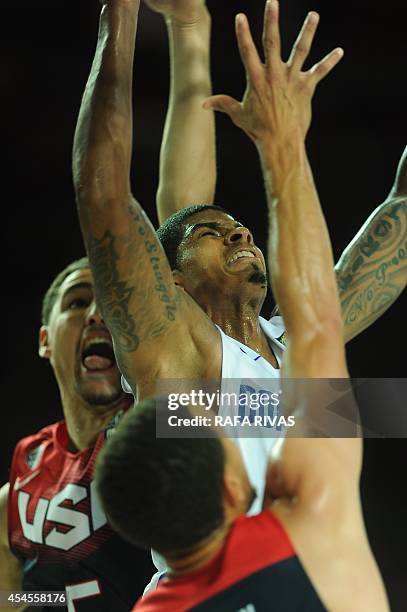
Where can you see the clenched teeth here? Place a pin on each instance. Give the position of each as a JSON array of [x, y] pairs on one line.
[[241, 254]]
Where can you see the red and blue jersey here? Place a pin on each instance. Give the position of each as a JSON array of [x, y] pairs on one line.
[[58, 530], [256, 570]]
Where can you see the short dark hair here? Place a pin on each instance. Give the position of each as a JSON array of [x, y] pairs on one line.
[[171, 232], [52, 291], [161, 493]]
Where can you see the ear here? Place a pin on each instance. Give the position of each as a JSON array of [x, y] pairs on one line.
[[234, 495], [44, 350], [178, 278]]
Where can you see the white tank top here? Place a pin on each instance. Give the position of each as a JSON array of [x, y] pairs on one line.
[[240, 364], [244, 370]]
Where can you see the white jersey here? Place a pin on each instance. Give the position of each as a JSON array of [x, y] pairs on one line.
[[242, 369], [242, 365]]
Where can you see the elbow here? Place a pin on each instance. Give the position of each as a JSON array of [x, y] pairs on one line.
[[317, 350]]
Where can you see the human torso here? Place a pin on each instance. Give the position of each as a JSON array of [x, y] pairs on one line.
[[244, 370], [245, 373], [58, 530]]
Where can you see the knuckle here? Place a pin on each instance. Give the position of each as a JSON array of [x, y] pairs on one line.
[[245, 49], [301, 47], [268, 42]]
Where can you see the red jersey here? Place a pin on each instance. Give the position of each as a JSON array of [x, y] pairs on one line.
[[256, 570], [58, 530]]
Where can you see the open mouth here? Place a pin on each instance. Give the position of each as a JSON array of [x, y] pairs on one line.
[[241, 255], [98, 355]]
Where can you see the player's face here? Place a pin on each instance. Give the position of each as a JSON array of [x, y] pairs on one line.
[[79, 346], [218, 254]]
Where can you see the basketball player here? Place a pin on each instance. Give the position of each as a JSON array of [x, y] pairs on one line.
[[203, 296], [307, 550], [54, 535], [90, 560]]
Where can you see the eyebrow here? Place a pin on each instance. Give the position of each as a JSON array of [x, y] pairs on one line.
[[210, 224], [81, 285]]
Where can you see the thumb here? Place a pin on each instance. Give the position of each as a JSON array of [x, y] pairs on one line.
[[223, 104]]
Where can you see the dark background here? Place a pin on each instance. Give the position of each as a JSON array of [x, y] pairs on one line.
[[357, 137]]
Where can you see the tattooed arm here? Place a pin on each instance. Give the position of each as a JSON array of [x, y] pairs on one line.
[[188, 155], [133, 281], [372, 271]]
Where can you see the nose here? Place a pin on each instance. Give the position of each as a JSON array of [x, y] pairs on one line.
[[93, 315], [239, 234]]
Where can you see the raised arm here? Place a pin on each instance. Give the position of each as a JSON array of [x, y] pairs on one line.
[[133, 281], [372, 271], [316, 480], [275, 113], [188, 155]]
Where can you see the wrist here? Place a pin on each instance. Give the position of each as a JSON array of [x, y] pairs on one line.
[[281, 157], [272, 147], [197, 20]]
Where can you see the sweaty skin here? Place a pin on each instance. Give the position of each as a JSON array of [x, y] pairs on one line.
[[142, 305], [90, 397], [188, 24], [315, 481]]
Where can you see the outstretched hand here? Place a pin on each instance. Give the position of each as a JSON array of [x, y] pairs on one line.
[[278, 95], [182, 11]]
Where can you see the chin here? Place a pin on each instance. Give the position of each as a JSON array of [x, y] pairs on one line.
[[103, 395], [258, 278]]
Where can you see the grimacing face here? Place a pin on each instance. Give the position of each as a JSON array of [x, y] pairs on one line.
[[79, 345], [218, 255]]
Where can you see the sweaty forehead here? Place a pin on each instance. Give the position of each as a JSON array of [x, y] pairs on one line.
[[209, 216]]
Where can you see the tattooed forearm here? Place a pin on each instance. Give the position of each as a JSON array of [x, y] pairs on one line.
[[130, 272], [113, 295], [373, 300], [372, 272], [156, 257]]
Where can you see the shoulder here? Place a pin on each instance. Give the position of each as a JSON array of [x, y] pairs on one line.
[[30, 448], [263, 535], [44, 434], [274, 328]]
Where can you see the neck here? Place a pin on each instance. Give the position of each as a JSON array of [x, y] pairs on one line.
[[201, 555], [237, 315], [240, 321], [85, 422]]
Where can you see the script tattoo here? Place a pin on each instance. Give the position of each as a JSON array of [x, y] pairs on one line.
[[129, 276], [373, 272], [113, 295]]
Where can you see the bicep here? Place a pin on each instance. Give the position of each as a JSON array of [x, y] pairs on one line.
[[372, 271]]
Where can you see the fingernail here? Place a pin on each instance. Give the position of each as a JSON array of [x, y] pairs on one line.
[[313, 17]]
